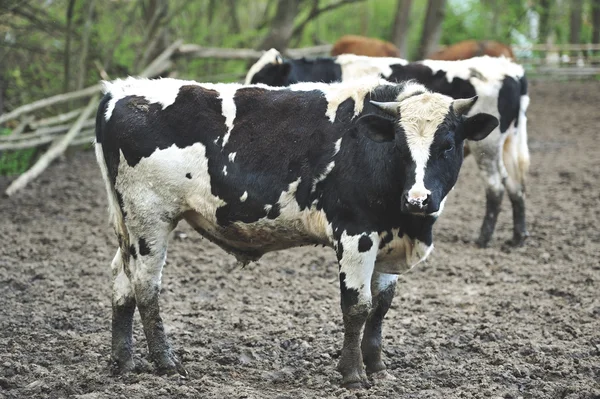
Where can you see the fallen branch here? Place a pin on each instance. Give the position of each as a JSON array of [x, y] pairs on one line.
[[162, 62], [22, 126], [60, 98], [50, 131], [34, 142], [196, 51], [54, 151], [156, 67], [56, 119]]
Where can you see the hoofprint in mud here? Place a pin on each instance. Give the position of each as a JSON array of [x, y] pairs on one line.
[[500, 84], [361, 166]]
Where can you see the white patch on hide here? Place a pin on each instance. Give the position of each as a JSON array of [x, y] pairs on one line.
[[358, 66], [337, 93], [158, 183], [232, 156], [420, 116], [244, 196], [338, 145], [323, 175], [228, 110], [358, 266]]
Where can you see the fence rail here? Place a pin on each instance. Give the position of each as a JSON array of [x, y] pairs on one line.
[[567, 60]]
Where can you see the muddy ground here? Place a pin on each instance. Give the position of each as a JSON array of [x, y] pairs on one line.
[[469, 323]]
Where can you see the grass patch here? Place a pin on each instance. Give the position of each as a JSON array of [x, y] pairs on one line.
[[17, 161]]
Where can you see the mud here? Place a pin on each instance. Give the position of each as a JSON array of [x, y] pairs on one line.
[[469, 323]]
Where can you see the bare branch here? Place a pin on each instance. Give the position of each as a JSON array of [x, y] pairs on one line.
[[60, 98], [316, 11], [56, 119], [54, 151], [196, 51]]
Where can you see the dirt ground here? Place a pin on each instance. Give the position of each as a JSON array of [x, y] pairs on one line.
[[468, 323]]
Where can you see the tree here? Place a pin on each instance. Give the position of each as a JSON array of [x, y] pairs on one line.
[[575, 23], [401, 25], [545, 10], [282, 25], [596, 21], [432, 29]]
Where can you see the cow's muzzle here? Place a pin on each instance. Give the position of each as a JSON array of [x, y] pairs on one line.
[[415, 204]]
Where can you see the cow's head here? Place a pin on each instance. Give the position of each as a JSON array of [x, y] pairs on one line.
[[271, 69], [428, 130]]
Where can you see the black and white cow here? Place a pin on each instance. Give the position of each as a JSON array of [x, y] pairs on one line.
[[500, 84], [363, 167]]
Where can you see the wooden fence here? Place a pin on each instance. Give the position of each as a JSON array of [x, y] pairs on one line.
[[551, 60]]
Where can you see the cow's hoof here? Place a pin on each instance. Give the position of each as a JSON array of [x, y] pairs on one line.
[[356, 385], [171, 366], [482, 242], [518, 239], [383, 375], [356, 381], [121, 367], [176, 369]]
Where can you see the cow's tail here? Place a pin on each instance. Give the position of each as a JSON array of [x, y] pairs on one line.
[[516, 149], [115, 212]]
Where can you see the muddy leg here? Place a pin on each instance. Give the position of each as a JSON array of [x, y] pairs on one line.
[[357, 260], [146, 277], [520, 232], [123, 308], [383, 287], [516, 159], [493, 196], [487, 154]]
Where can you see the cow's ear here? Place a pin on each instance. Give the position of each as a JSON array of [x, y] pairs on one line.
[[478, 126], [378, 128]]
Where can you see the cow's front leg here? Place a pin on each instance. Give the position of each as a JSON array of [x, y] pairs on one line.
[[356, 255], [146, 276], [383, 287]]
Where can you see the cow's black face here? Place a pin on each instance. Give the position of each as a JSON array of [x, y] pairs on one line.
[[277, 74], [428, 132]]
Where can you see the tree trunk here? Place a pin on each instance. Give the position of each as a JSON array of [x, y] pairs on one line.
[[67, 55], [575, 23], [401, 24], [85, 46], [432, 28], [235, 21], [545, 11], [596, 22], [282, 25]]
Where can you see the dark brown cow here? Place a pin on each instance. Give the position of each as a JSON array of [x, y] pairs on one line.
[[472, 48], [360, 45]]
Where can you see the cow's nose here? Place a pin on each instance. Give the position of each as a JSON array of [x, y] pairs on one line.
[[416, 203]]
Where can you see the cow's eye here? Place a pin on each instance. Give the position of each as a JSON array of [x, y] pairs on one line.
[[447, 148]]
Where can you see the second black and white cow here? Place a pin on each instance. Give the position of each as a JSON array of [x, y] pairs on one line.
[[500, 84], [363, 167]]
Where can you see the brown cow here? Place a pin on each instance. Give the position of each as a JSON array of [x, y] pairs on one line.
[[360, 45], [472, 48]]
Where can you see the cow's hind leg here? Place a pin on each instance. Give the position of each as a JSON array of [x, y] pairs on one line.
[[516, 160], [356, 255], [488, 157], [123, 309], [383, 287], [149, 242]]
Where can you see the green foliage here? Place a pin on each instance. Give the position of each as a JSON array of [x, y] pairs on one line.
[[14, 162]]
